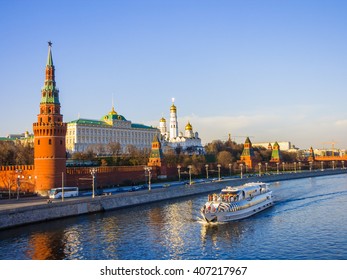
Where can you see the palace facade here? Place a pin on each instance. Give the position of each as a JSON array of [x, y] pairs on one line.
[[83, 134]]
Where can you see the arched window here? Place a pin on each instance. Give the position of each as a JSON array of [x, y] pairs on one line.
[[50, 141]]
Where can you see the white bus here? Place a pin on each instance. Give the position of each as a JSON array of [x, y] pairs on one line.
[[68, 192]]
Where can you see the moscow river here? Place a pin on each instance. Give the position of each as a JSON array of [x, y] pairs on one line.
[[308, 221]]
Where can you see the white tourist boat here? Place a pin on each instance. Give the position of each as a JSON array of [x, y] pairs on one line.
[[234, 203]]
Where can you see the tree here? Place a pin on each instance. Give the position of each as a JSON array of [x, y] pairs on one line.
[[214, 147], [16, 153], [224, 158], [114, 148]]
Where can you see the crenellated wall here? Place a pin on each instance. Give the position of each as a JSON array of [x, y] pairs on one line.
[[106, 176]]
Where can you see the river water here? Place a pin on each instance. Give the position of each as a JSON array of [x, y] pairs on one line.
[[308, 221]]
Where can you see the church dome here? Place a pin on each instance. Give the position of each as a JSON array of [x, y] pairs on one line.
[[189, 126], [173, 107], [162, 120]]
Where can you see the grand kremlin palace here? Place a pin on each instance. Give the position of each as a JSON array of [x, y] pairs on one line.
[[112, 128]]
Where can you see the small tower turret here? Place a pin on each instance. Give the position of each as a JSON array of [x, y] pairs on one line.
[[276, 153], [248, 153], [156, 158]]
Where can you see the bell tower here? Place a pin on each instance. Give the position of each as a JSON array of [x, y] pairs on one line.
[[49, 135], [173, 121]]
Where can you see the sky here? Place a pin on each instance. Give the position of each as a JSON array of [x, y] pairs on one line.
[[272, 70]]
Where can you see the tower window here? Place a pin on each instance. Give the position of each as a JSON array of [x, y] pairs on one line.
[[50, 141], [38, 142]]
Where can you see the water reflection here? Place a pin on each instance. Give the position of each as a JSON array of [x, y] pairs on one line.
[[46, 246]]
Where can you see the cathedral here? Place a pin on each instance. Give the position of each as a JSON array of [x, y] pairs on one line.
[[187, 142]]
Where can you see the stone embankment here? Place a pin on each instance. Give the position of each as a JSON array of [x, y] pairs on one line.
[[44, 212]]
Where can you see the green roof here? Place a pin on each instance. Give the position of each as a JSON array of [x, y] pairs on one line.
[[89, 122], [102, 123], [8, 139], [136, 125]]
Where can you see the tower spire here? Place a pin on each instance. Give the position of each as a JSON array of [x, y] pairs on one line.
[[49, 92], [49, 57]]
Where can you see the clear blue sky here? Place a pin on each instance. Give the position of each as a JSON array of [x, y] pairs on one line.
[[275, 70]]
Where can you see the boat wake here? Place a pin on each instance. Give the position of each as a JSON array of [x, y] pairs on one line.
[[325, 196], [307, 201]]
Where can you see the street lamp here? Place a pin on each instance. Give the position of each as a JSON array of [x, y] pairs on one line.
[[179, 172], [277, 163], [333, 165], [206, 166], [93, 172], [310, 165], [343, 164], [259, 164], [18, 171], [299, 166], [283, 164], [218, 165], [295, 166], [230, 169], [322, 166], [148, 169], [190, 174], [266, 164], [241, 165]]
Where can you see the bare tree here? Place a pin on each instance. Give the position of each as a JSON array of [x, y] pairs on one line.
[[224, 158]]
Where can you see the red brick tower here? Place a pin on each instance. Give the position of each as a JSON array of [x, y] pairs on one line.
[[247, 155], [49, 133], [156, 158]]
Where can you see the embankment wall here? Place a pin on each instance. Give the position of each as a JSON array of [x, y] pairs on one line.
[[31, 214]]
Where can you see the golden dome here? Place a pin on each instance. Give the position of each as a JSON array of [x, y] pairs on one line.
[[173, 108], [189, 126], [113, 112], [162, 119]]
